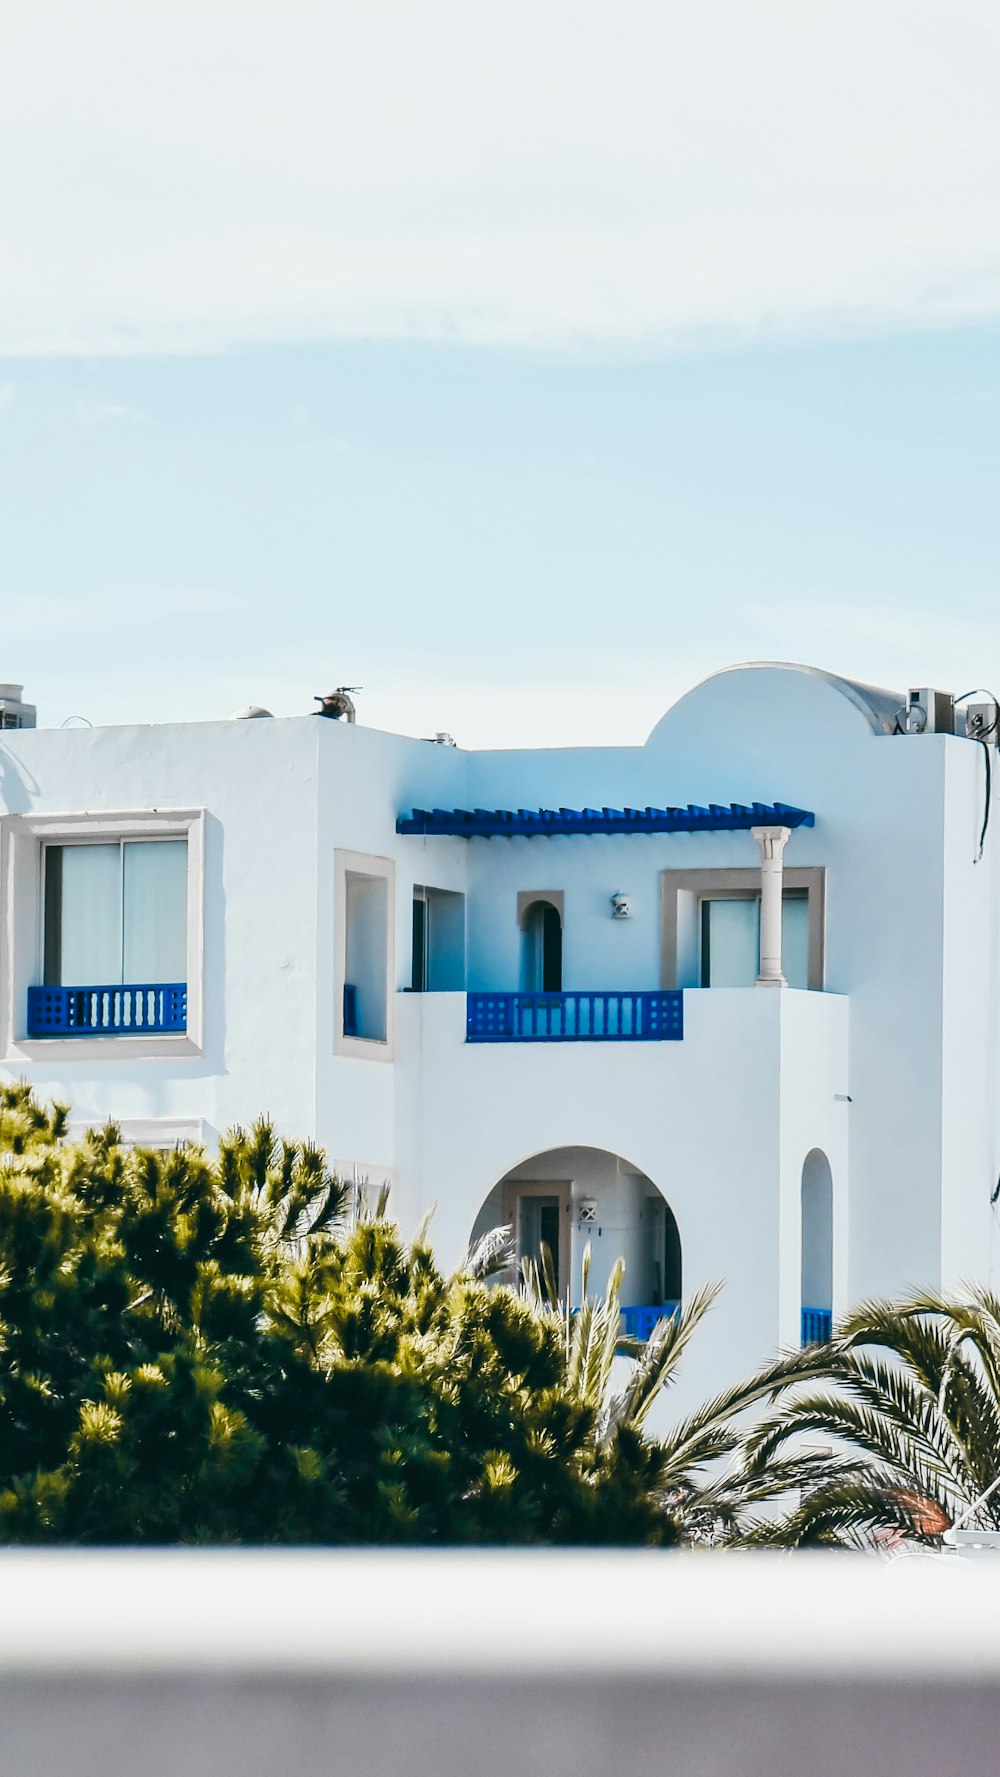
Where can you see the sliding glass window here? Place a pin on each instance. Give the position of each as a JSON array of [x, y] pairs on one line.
[[730, 939], [115, 913]]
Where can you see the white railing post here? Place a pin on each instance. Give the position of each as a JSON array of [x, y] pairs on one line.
[[772, 842]]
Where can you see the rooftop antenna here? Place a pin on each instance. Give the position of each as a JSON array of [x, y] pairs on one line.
[[339, 704]]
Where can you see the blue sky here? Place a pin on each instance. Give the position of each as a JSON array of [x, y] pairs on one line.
[[522, 385], [490, 541]]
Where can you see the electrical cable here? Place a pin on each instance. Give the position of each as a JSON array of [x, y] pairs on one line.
[[993, 728], [984, 741], [987, 799], [978, 691]]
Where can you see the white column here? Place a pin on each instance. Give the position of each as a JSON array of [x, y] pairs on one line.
[[772, 842]]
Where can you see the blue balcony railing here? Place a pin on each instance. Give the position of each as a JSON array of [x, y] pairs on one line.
[[817, 1326], [144, 1010], [638, 1323], [615, 1017]]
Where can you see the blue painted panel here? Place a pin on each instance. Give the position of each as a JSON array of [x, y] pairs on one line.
[[579, 1017], [507, 823], [141, 1010], [817, 1326], [639, 1322]]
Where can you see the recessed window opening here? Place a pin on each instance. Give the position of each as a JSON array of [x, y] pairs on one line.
[[730, 939], [541, 948], [438, 957], [366, 950], [795, 937], [115, 913]]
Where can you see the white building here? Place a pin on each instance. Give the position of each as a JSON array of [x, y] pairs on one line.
[[575, 1020]]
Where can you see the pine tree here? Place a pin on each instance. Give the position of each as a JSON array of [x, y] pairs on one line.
[[234, 1350]]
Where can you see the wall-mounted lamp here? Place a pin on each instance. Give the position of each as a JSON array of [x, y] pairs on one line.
[[621, 906]]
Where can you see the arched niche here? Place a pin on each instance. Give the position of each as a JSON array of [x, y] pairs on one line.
[[817, 1233], [540, 917]]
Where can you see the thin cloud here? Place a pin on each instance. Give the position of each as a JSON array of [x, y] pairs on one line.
[[617, 175], [119, 410]]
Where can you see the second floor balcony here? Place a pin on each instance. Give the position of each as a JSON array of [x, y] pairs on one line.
[[146, 1009], [580, 1016]]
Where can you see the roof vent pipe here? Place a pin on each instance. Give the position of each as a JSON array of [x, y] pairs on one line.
[[338, 705]]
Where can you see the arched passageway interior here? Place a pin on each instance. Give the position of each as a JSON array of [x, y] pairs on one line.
[[571, 1197], [817, 1246], [541, 948]]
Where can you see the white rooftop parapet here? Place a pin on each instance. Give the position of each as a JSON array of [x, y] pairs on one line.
[[447, 1664]]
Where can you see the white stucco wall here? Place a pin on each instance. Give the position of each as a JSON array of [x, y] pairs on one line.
[[892, 1072], [258, 783], [720, 1123]]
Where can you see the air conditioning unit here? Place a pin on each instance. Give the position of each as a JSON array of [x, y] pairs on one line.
[[929, 712], [981, 722]]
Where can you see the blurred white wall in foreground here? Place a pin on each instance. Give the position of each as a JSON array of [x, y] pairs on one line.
[[496, 1664]]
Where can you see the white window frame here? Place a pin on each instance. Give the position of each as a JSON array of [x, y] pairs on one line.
[[687, 889], [23, 838], [356, 863], [514, 1189], [164, 1133]]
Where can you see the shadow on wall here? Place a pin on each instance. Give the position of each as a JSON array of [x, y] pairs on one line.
[[16, 785]]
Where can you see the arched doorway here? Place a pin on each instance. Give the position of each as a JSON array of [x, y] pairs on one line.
[[817, 1247], [568, 1198], [541, 948]]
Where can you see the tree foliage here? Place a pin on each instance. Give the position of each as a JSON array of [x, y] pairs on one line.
[[697, 1472], [911, 1410], [232, 1349]]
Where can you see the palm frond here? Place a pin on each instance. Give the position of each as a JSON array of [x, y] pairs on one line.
[[713, 1429], [592, 1349], [657, 1360], [888, 1446], [492, 1255]]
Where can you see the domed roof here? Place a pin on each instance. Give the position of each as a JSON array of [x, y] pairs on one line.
[[881, 708]]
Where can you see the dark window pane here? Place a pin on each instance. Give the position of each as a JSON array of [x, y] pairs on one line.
[[551, 950], [418, 973]]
